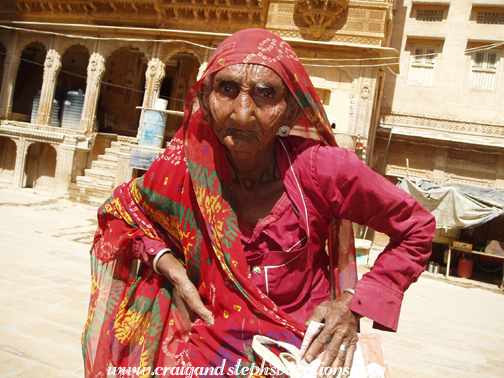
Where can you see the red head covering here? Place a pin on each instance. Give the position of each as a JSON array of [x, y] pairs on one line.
[[185, 201], [259, 46]]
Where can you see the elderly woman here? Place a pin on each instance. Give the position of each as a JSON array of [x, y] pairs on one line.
[[225, 235]]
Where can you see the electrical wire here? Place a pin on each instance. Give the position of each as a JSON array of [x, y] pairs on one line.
[[107, 38], [101, 82], [474, 49], [478, 264]]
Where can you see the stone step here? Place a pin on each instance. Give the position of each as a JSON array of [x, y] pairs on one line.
[[111, 151], [109, 157], [98, 177], [92, 196], [105, 165]]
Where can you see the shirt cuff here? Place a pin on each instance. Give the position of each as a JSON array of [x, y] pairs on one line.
[[377, 302], [156, 259]]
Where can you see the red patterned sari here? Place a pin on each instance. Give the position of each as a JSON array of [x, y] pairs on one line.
[[185, 201]]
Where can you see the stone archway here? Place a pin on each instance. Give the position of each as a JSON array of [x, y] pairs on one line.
[[71, 85], [122, 90], [8, 150], [40, 166], [181, 74], [28, 80]]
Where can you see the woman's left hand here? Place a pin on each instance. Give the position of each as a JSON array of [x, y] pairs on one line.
[[340, 325]]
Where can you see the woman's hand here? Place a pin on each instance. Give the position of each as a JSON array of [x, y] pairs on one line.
[[172, 268], [340, 325]]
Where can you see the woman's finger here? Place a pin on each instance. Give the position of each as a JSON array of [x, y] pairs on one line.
[[334, 354], [190, 295], [173, 269], [345, 372]]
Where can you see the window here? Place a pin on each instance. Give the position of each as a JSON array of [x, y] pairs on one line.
[[324, 95], [423, 62], [484, 66], [429, 14], [494, 18]]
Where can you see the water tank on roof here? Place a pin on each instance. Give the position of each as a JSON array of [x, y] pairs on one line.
[[72, 110], [55, 111]]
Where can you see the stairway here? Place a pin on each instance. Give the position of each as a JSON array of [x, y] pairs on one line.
[[98, 182]]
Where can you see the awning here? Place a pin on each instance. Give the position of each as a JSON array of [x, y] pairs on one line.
[[456, 206]]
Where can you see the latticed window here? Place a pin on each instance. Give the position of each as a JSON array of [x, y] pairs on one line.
[[494, 18], [429, 14], [423, 62], [484, 69]]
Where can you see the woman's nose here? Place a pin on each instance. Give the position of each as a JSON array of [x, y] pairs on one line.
[[243, 109]]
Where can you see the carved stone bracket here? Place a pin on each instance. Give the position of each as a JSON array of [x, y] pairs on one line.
[[320, 14]]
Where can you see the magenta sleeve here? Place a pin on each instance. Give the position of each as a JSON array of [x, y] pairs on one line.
[[145, 249], [357, 193]]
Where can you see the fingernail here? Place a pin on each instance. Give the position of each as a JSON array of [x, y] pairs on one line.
[[308, 358]]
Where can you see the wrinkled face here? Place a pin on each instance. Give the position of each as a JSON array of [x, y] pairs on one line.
[[247, 105]]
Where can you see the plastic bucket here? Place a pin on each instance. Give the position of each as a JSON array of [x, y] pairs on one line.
[[152, 134], [161, 104], [465, 266]]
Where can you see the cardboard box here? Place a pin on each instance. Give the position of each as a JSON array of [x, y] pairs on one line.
[[461, 245]]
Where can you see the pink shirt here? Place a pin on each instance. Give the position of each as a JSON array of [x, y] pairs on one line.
[[286, 250]]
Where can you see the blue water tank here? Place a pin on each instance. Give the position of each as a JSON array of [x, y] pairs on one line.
[[55, 112], [152, 134], [72, 109]]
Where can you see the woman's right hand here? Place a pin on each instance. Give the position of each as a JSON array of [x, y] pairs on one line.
[[174, 270]]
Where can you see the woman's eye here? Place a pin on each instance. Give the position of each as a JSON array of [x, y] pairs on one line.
[[267, 93], [227, 88]]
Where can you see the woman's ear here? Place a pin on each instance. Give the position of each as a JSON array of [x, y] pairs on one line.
[[203, 98], [293, 112]]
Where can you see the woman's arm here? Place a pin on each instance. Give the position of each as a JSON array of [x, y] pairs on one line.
[[353, 191]]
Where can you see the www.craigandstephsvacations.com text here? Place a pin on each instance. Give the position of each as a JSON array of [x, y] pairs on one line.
[[237, 370]]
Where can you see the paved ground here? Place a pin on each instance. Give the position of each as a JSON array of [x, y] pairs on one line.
[[447, 329]]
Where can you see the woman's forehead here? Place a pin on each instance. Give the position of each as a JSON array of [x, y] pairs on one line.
[[249, 73]]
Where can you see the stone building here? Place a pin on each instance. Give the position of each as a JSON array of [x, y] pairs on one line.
[[77, 77], [442, 117]]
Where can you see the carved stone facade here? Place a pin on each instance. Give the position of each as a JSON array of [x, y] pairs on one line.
[[110, 60]]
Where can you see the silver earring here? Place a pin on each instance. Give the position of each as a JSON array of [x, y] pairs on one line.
[[284, 131]]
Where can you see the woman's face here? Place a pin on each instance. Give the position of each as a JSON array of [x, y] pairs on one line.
[[247, 104]]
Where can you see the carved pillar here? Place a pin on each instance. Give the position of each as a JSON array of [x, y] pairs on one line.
[[52, 66], [21, 150], [153, 79], [438, 175], [11, 65], [95, 71], [364, 102], [124, 172], [64, 164]]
